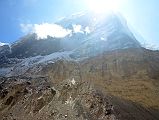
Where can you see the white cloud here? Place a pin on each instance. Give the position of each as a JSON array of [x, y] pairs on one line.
[[45, 29], [53, 30], [77, 29], [103, 39]]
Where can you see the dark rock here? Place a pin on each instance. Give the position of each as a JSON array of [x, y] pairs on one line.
[[4, 93], [9, 100], [39, 104], [53, 92]]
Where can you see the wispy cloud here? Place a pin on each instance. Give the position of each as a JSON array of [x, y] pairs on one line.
[[27, 28], [30, 2]]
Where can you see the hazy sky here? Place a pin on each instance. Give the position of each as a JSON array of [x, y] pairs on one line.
[[142, 15]]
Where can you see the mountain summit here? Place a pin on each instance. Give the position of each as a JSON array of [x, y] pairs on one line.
[[102, 32]]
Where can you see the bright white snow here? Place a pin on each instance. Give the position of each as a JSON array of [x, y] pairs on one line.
[[1, 44], [73, 81], [77, 29]]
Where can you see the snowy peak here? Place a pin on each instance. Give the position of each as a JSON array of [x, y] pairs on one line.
[[100, 32], [108, 32]]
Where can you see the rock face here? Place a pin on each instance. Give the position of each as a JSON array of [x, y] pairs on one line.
[[29, 46], [4, 50], [99, 73]]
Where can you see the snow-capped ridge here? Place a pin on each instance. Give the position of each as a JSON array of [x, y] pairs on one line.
[[32, 62], [2, 44]]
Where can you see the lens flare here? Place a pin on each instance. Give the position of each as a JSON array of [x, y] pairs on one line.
[[102, 6]]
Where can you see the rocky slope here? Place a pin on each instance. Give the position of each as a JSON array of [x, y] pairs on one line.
[[37, 98]]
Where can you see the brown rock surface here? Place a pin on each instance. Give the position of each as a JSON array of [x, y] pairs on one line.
[[122, 84]]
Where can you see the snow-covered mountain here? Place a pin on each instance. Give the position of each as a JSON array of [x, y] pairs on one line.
[[92, 34], [102, 32], [106, 32]]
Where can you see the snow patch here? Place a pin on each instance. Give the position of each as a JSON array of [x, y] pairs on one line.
[[55, 56], [102, 38], [77, 28], [5, 71], [35, 62], [2, 44], [69, 101], [73, 81], [80, 29], [87, 30]]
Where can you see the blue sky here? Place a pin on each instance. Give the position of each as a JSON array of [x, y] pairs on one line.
[[142, 15]]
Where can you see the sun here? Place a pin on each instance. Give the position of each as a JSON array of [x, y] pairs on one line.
[[102, 6]]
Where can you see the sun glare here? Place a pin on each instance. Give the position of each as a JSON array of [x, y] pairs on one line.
[[102, 6]]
